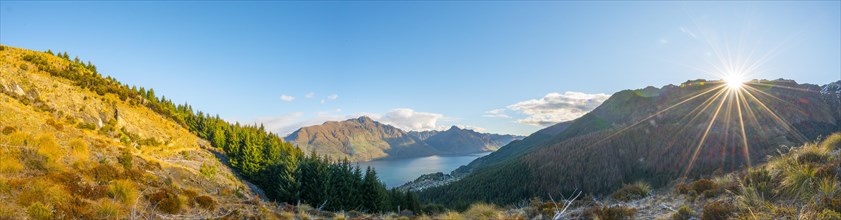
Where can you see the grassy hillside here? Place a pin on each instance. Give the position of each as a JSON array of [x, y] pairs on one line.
[[69, 153], [98, 148]]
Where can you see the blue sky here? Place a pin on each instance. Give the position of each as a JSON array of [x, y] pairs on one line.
[[501, 67]]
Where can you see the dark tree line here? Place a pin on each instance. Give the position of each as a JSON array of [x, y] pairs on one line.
[[282, 170]]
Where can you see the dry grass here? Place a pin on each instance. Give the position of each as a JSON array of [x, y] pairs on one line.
[[450, 216], [38, 210], [108, 209], [633, 191], [123, 191], [831, 142], [483, 211], [10, 162], [43, 191], [79, 149], [48, 146]]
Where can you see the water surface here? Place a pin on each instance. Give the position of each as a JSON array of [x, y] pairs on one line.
[[396, 172]]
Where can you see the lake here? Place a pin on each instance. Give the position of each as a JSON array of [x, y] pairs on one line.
[[396, 172]]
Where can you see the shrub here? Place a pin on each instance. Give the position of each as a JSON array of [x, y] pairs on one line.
[[207, 171], [8, 130], [483, 211], [86, 125], [125, 158], [206, 202], [762, 181], [149, 142], [56, 125], [608, 212], [104, 173], [683, 213], [702, 185], [633, 191], [124, 191], [166, 201], [38, 210], [76, 208], [717, 210]]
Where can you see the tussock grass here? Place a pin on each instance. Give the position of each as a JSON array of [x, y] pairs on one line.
[[831, 142], [166, 201], [483, 211], [79, 149], [38, 210], [717, 210], [609, 212], [107, 209], [450, 216], [751, 201], [20, 139], [683, 213], [799, 179], [10, 162], [634, 191], [48, 146], [43, 191], [123, 191]]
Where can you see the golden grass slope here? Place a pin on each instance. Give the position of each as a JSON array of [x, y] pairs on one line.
[[68, 153]]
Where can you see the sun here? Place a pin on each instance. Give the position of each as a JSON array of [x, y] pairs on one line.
[[734, 81]]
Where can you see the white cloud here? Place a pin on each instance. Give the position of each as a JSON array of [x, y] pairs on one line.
[[409, 119], [287, 98], [309, 95], [496, 113], [470, 127], [555, 107], [333, 97]]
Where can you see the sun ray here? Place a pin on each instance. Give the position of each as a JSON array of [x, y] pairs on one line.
[[745, 148], [786, 125], [703, 138]]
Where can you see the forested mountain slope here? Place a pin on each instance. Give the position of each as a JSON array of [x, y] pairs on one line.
[[656, 135]]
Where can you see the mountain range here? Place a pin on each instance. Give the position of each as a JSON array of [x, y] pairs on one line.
[[653, 134], [363, 139]]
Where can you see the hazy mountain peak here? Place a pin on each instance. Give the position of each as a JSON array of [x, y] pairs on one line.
[[365, 139]]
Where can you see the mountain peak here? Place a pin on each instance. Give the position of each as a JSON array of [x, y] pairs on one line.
[[454, 128], [364, 119]]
